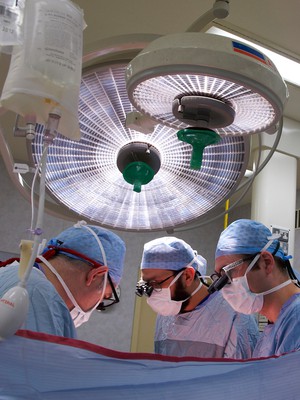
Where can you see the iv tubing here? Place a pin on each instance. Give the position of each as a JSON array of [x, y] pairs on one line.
[[40, 216], [49, 135]]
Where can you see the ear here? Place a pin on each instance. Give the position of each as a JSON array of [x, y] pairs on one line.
[[268, 261], [94, 273], [189, 275]]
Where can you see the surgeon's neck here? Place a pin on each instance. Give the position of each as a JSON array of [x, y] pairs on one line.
[[196, 299], [56, 262], [274, 302]]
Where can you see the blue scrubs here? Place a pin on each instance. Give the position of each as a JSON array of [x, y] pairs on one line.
[[284, 335], [213, 329], [48, 312]]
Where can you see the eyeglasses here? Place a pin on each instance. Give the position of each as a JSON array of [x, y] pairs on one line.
[[111, 300], [226, 274], [146, 288], [228, 269]]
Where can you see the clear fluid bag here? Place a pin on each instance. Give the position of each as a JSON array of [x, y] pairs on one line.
[[45, 72], [11, 24]]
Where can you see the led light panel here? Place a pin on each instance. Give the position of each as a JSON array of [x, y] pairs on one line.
[[155, 97], [84, 176], [208, 66]]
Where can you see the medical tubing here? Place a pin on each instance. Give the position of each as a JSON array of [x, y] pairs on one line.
[[40, 215], [49, 135], [274, 147], [264, 163], [32, 193]]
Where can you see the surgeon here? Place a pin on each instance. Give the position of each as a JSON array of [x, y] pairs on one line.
[[77, 273], [255, 276], [190, 322]]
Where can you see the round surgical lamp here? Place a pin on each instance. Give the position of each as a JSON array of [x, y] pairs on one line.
[[87, 176], [206, 81]]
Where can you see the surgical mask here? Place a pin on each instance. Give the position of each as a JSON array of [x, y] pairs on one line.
[[242, 300], [161, 301], [240, 297], [77, 314]]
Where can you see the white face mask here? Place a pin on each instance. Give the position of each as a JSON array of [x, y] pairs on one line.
[[78, 315], [242, 300], [238, 294], [161, 301]]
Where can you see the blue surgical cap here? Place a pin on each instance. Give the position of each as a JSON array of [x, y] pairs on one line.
[[172, 254], [245, 236], [80, 239]]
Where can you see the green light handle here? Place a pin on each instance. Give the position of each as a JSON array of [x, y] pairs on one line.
[[197, 155], [138, 173], [198, 138]]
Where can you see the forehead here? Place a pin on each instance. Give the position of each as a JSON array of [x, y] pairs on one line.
[[155, 274], [222, 261]]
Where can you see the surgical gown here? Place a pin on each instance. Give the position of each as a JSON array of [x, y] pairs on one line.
[[213, 329], [284, 335], [48, 312]]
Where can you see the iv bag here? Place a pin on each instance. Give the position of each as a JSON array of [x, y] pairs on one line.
[[11, 19], [45, 72]]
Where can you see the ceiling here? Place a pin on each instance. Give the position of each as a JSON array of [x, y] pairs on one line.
[[120, 27]]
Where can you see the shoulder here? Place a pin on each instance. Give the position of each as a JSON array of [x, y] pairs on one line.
[[217, 302], [10, 268], [285, 332], [243, 321], [11, 271], [290, 313], [48, 312], [9, 276], [217, 309], [39, 286]]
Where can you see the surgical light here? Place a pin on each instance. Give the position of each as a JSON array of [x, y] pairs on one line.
[[206, 81], [86, 176], [288, 68]]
